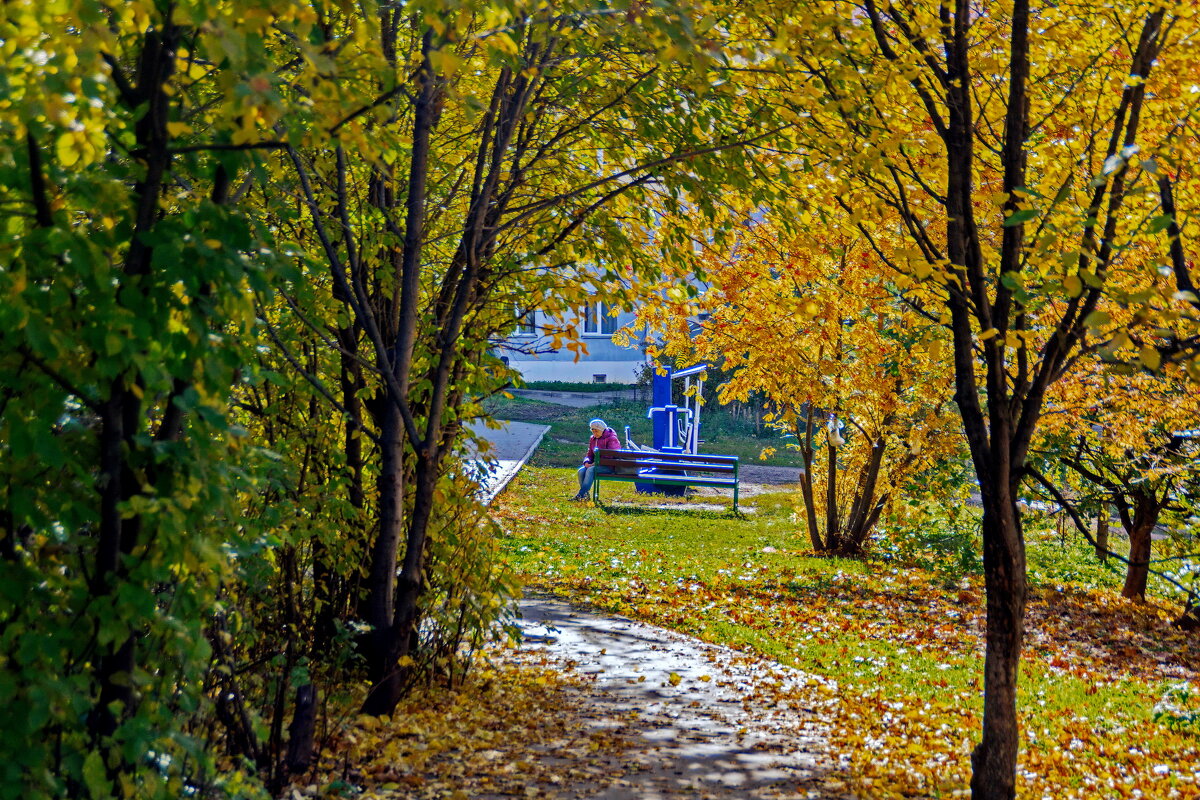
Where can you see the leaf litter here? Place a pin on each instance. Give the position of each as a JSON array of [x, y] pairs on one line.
[[596, 705]]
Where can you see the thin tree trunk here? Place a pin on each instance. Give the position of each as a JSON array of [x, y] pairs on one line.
[[401, 632], [806, 487], [381, 575], [1102, 523], [994, 760], [122, 411], [864, 512], [1145, 517]]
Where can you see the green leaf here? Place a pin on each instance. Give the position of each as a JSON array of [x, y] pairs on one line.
[[1018, 217], [1160, 223], [94, 777], [1013, 280]]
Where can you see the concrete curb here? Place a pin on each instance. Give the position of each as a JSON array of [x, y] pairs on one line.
[[508, 470]]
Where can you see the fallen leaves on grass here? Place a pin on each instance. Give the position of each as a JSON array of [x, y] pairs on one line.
[[907, 652]]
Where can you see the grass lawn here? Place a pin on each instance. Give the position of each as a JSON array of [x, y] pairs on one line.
[[900, 633], [566, 443]]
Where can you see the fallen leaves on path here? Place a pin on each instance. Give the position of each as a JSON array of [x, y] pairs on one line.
[[530, 725], [514, 730]]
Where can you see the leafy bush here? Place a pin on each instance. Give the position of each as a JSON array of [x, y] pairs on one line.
[[472, 591]]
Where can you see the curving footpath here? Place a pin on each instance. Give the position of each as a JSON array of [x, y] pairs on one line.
[[699, 720]]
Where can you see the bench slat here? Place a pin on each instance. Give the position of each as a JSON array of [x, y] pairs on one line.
[[672, 480], [623, 463], [643, 454]]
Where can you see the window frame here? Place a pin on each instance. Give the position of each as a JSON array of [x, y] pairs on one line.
[[526, 323], [596, 317]]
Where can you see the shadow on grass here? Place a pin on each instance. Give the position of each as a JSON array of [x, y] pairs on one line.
[[1068, 626], [657, 511]]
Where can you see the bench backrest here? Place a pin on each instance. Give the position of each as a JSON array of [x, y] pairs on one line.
[[635, 459]]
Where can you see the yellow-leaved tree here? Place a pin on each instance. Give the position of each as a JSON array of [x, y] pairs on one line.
[[1126, 440], [505, 156], [1005, 158], [816, 327]]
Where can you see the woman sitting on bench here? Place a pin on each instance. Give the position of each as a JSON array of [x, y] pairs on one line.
[[603, 438]]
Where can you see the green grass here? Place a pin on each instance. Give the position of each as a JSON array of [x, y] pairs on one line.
[[566, 442], [898, 629]]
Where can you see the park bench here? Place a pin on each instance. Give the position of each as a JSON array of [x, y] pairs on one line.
[[667, 469]]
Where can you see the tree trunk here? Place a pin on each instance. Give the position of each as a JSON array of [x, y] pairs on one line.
[[1145, 517], [1102, 533], [121, 415], [381, 576], [399, 638], [806, 488], [993, 762], [302, 730], [865, 509]]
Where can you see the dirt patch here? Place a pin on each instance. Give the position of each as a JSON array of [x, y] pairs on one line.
[[539, 412], [773, 476]]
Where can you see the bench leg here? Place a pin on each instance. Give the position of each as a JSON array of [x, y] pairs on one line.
[[596, 489], [735, 497]]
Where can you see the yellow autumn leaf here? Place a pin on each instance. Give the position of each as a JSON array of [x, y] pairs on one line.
[[66, 148]]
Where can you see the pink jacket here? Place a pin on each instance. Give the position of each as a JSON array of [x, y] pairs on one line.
[[605, 441]]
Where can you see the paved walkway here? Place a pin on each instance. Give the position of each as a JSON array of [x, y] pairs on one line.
[[701, 720], [512, 445]]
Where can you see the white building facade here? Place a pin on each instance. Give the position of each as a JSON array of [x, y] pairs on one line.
[[530, 349]]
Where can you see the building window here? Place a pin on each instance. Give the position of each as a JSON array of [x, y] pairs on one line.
[[597, 320], [600, 377], [526, 324]]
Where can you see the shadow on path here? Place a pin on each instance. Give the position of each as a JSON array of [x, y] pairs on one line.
[[700, 720]]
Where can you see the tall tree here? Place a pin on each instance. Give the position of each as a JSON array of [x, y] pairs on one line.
[[125, 322], [511, 151], [813, 325], [1008, 151]]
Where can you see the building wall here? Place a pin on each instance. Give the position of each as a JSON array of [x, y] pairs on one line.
[[617, 364], [583, 371]]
